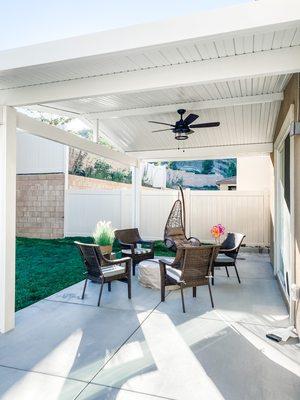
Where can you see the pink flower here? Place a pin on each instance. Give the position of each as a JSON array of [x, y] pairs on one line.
[[217, 230]]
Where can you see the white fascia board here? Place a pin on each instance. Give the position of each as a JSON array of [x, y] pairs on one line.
[[204, 153], [192, 105], [272, 62], [50, 132], [257, 16]]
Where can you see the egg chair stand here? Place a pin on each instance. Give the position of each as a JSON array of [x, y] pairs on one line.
[[175, 228]]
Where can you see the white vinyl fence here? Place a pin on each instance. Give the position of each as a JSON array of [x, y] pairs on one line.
[[247, 212]]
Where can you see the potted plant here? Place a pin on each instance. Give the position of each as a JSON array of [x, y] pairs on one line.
[[104, 236]]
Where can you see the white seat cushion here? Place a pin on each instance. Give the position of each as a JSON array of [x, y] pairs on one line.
[[136, 251], [149, 273], [174, 273], [222, 258], [113, 270]]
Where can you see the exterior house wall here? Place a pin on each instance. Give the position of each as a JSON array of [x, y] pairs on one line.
[[255, 173], [292, 96], [297, 197]]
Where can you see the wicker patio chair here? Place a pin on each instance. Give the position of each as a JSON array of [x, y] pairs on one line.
[[174, 233], [102, 270], [228, 253], [128, 239], [191, 268]]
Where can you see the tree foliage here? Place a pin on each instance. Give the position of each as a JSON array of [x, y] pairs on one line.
[[231, 170], [80, 164], [207, 167]]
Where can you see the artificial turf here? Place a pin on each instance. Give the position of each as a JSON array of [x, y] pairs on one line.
[[44, 267]]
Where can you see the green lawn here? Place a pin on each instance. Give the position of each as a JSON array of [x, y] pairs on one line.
[[44, 267]]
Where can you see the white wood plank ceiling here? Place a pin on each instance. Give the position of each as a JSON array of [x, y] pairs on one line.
[[204, 49], [218, 90], [251, 65], [249, 124]]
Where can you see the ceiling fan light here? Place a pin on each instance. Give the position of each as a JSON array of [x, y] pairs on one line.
[[181, 136]]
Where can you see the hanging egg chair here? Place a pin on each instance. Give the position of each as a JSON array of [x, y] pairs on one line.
[[174, 233]]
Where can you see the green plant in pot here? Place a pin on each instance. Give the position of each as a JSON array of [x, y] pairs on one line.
[[104, 236]]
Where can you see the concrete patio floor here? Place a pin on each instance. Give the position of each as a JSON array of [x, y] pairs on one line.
[[66, 348]]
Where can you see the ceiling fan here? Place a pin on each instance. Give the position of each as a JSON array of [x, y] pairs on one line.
[[182, 128]]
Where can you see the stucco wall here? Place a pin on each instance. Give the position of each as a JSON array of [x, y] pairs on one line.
[[291, 96], [40, 205], [254, 173]]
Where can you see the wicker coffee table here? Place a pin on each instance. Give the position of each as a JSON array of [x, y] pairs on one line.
[[149, 273]]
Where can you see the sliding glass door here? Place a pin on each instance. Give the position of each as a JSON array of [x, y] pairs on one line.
[[284, 215]]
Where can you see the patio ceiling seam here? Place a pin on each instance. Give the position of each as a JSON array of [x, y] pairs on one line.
[[199, 147], [265, 63], [93, 76], [125, 71]]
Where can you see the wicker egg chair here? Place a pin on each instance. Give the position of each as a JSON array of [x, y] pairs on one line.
[[174, 233]]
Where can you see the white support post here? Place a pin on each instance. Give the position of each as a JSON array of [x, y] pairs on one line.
[[136, 194], [7, 217]]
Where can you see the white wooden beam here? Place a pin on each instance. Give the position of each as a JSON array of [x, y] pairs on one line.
[[7, 217], [272, 62], [89, 122], [191, 105], [51, 132], [260, 16], [204, 153]]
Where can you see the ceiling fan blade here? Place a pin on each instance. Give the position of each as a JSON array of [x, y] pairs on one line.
[[162, 130], [161, 123], [190, 119], [205, 125]]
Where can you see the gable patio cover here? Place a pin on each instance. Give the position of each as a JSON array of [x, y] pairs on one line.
[[229, 65]]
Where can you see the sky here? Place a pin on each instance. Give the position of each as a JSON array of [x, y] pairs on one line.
[[25, 22]]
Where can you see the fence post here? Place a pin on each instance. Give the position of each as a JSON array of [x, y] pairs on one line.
[[136, 194], [267, 217], [122, 205]]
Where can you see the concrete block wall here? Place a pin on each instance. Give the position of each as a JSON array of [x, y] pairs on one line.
[[40, 205], [83, 182]]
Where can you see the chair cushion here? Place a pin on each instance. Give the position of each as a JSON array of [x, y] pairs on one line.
[[136, 251], [174, 273], [113, 270], [223, 259]]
